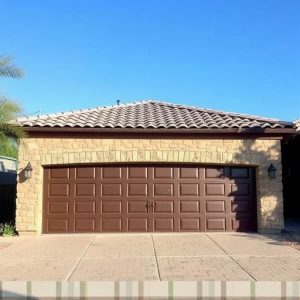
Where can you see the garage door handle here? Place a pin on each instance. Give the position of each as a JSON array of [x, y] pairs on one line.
[[152, 205], [147, 205]]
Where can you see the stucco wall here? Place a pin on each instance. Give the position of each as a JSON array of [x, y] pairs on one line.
[[53, 151]]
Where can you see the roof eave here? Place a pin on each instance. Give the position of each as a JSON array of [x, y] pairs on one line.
[[255, 130]]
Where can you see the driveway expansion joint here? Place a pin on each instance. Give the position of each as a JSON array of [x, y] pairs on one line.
[[80, 258], [154, 251], [229, 255]]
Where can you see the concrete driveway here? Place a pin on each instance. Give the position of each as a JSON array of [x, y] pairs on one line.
[[176, 256]]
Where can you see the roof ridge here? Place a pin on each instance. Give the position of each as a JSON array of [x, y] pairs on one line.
[[78, 111], [191, 107]]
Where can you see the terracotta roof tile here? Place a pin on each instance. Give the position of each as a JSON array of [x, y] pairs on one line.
[[151, 114]]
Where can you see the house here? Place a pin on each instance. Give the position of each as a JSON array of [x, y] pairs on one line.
[[291, 175], [8, 182], [151, 166]]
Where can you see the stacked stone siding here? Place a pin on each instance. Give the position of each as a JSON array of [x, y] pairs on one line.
[[42, 152]]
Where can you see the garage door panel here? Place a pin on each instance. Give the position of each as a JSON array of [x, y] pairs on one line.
[[111, 224], [189, 224], [85, 207], [214, 189], [58, 189], [240, 189], [60, 173], [214, 172], [111, 189], [189, 189], [137, 224], [137, 173], [163, 172], [116, 198], [241, 206], [137, 189], [163, 189], [188, 173], [85, 225], [109, 172], [215, 206], [136, 207], [111, 207], [189, 206], [240, 173], [85, 173], [85, 189], [242, 223], [58, 225], [164, 207], [163, 224], [58, 207], [216, 224]]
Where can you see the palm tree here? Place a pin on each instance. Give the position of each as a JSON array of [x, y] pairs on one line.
[[8, 69], [10, 134]]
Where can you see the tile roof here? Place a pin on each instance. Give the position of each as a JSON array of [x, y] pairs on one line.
[[151, 115], [297, 124]]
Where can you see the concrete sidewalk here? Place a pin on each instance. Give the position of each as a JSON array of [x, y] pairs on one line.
[[174, 256]]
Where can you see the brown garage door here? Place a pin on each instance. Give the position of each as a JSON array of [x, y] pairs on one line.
[[120, 198]]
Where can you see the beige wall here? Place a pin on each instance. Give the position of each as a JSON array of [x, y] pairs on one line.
[[52, 151]]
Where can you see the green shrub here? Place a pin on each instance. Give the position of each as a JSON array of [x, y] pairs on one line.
[[7, 229]]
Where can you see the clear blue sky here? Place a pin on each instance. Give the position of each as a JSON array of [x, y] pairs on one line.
[[233, 55]]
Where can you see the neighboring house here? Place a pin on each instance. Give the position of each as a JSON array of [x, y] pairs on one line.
[[8, 182], [8, 170], [291, 174], [150, 166]]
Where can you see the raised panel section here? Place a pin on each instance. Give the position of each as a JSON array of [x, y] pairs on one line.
[[62, 173], [163, 189], [190, 224], [242, 224], [85, 189], [85, 173], [82, 207], [111, 207], [215, 189], [138, 172], [189, 189], [111, 189], [213, 206], [163, 207], [240, 206], [111, 172], [239, 172], [215, 224], [58, 225], [163, 224], [137, 207], [58, 207], [189, 172], [214, 173], [59, 189], [84, 224], [163, 172], [240, 189], [137, 189], [111, 224], [189, 206], [137, 224]]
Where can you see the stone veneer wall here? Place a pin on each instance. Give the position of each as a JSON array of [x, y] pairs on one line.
[[56, 151]]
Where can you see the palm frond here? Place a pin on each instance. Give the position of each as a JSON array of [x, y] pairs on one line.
[[8, 69], [9, 110], [12, 131]]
